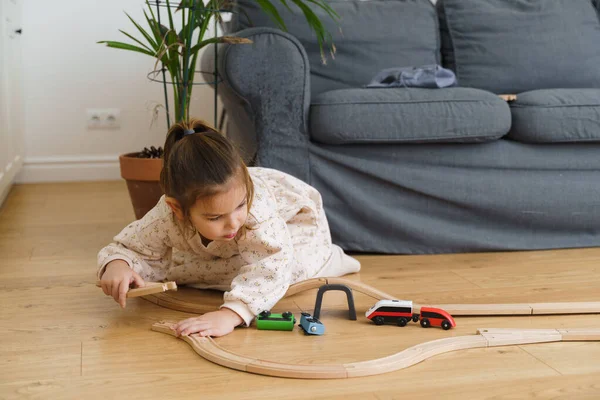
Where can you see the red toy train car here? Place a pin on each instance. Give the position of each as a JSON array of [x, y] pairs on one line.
[[431, 316], [400, 312]]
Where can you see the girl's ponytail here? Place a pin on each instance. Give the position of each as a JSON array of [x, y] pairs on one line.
[[178, 132], [197, 161], [175, 134]]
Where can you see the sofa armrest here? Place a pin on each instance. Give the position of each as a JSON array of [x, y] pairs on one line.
[[272, 75]]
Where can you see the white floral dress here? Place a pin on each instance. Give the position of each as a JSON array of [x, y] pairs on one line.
[[287, 241]]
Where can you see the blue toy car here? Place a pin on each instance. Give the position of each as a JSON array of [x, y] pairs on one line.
[[311, 325]]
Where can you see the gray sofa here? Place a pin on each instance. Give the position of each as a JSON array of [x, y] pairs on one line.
[[416, 171]]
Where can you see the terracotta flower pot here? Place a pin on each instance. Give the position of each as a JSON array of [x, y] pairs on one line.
[[143, 181]]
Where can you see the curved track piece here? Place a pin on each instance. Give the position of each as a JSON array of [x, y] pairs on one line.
[[361, 288], [207, 348], [168, 301], [486, 337]]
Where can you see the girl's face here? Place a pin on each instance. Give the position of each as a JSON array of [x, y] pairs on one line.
[[221, 216]]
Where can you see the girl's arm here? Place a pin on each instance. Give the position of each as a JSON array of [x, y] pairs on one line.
[[145, 245], [264, 280]]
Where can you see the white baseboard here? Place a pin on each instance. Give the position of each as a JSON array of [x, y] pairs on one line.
[[5, 186], [69, 169], [7, 177]]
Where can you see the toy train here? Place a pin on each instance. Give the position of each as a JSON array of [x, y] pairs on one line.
[[285, 322], [310, 325], [275, 322], [400, 312]]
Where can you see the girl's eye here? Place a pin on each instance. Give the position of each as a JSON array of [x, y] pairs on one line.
[[215, 218], [242, 205]]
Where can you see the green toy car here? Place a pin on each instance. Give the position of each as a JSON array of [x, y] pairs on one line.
[[275, 322]]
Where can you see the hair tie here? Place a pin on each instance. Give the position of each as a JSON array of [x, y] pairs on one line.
[[189, 132]]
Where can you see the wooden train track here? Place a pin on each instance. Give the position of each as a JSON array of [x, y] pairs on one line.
[[485, 337], [150, 289], [488, 337], [164, 300]]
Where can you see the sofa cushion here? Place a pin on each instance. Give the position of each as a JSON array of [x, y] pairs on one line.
[[556, 115], [370, 36], [408, 115], [513, 46]]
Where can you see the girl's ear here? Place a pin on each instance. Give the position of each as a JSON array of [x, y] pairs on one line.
[[176, 207]]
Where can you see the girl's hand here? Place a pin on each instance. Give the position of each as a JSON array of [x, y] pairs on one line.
[[116, 280], [215, 323]]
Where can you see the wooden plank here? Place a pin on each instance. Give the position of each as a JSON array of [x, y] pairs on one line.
[[185, 306], [154, 288], [207, 348], [310, 371], [483, 309], [210, 350], [590, 307], [519, 308], [361, 288], [579, 335], [150, 288], [305, 285], [505, 337], [413, 355], [516, 331]]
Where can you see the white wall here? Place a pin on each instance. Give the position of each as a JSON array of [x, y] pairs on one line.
[[11, 93], [65, 73]]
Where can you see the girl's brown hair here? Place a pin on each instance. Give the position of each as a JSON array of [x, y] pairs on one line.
[[198, 162]]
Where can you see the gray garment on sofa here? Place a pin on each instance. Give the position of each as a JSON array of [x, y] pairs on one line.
[[514, 46], [427, 76]]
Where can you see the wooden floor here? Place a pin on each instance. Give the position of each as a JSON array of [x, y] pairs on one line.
[[60, 337]]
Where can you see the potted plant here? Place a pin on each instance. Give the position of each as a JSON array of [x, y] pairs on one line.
[[176, 49]]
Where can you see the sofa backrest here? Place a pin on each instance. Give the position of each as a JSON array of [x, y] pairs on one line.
[[372, 35], [513, 46]]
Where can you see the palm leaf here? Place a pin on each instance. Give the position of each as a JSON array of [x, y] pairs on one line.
[[171, 24], [272, 12], [127, 46], [328, 9], [158, 38], [152, 42], [150, 8], [284, 2], [315, 24], [135, 40], [220, 39], [179, 55]]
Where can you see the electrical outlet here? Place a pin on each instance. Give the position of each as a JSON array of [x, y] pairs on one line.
[[103, 118]]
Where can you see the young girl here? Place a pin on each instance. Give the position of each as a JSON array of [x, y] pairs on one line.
[[251, 232]]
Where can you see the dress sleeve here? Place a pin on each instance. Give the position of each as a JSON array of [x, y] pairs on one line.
[[267, 252], [145, 245]]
